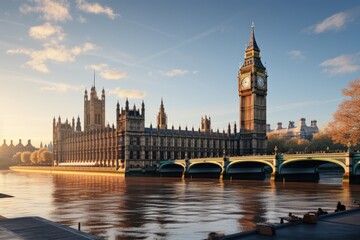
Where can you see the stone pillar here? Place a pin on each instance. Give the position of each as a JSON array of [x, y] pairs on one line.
[[349, 165], [226, 162], [277, 161], [187, 164]]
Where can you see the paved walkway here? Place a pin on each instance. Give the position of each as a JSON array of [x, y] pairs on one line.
[[34, 228], [342, 225]]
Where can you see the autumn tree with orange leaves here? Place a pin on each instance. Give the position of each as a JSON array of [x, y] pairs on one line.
[[345, 128]]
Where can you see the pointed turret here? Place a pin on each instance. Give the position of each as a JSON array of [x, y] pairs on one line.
[[73, 123], [143, 109], [252, 42], [252, 52], [162, 118], [117, 109], [127, 105], [78, 124]]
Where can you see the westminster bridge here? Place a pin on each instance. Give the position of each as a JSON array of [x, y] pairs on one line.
[[283, 167]]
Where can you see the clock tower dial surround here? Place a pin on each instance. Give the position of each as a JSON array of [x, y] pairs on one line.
[[252, 82]]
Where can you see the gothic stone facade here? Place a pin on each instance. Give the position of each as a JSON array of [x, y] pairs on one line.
[[130, 144]]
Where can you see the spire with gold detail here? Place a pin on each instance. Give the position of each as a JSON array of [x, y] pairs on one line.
[[162, 118], [252, 42], [252, 52]]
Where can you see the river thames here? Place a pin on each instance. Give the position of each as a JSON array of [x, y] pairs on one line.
[[113, 207]]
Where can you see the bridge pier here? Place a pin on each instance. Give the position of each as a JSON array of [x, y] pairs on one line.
[[277, 161], [352, 161]]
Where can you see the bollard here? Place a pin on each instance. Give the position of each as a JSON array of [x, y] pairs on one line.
[[79, 227]]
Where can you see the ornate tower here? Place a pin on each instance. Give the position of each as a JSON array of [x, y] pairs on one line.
[[252, 84], [162, 118], [94, 110], [205, 124]]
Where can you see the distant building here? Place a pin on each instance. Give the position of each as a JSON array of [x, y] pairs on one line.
[[130, 144], [8, 151], [301, 131]]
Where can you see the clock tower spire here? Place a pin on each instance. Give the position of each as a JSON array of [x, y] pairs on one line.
[[252, 86]]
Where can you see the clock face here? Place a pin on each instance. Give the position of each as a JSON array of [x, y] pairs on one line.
[[245, 82], [260, 81]]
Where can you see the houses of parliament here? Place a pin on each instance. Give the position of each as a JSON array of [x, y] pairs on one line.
[[129, 144]]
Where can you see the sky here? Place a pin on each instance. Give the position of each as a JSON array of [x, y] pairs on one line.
[[186, 52]]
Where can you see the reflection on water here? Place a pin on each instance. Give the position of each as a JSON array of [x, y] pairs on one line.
[[161, 208]]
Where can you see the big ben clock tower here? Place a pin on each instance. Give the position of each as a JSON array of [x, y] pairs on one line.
[[252, 83]]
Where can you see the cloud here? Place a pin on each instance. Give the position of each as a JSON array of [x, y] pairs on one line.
[[296, 54], [78, 50], [342, 64], [335, 22], [175, 72], [96, 8], [45, 31], [97, 67], [106, 72], [113, 74], [52, 53], [50, 10], [131, 94]]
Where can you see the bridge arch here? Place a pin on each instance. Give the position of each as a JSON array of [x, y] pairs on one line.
[[310, 163], [237, 162], [171, 169], [248, 169], [356, 168], [305, 169], [208, 169]]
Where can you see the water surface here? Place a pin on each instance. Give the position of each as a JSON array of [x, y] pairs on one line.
[[113, 207]]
